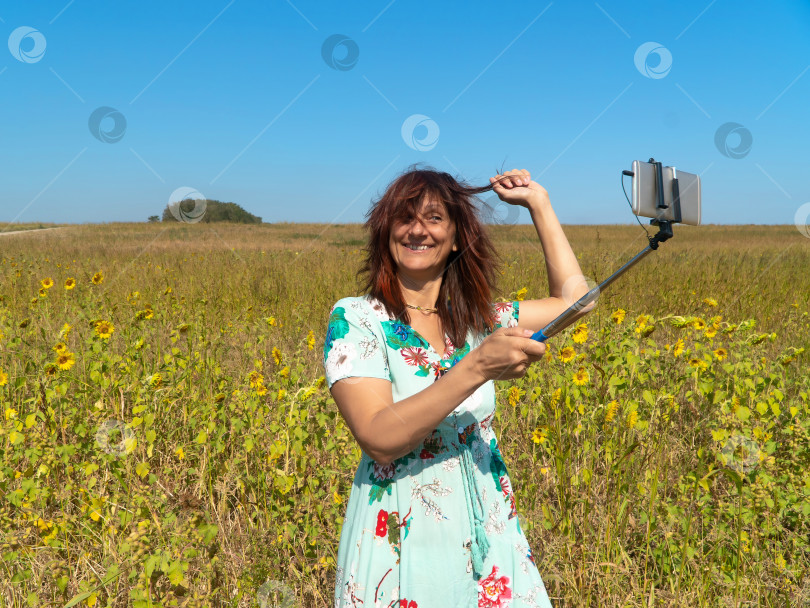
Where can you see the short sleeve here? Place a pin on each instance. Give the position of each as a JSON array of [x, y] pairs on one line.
[[354, 345], [506, 314]]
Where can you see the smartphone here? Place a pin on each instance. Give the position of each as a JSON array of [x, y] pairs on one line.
[[645, 193]]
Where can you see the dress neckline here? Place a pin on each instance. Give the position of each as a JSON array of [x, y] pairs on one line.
[[443, 355]]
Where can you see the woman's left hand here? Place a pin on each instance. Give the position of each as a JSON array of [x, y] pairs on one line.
[[517, 188]]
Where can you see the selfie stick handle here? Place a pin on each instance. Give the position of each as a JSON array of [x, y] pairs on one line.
[[562, 321]]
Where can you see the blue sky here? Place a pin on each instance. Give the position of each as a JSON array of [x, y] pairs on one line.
[[236, 100]]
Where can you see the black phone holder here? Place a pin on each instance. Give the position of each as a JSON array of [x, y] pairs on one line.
[[664, 234]]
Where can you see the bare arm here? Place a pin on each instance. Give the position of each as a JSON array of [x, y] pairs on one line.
[[386, 430], [565, 280]]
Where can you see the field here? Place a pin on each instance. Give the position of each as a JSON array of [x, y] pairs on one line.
[[167, 438]]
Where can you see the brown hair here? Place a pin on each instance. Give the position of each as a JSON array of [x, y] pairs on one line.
[[469, 274]]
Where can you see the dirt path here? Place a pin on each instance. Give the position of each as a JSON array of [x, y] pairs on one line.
[[30, 231]]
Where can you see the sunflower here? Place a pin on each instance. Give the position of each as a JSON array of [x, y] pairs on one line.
[[43, 293], [539, 435], [98, 278], [255, 379], [70, 283], [711, 331], [567, 354], [3, 378], [710, 302], [65, 360], [720, 353], [104, 329], [678, 349], [697, 363], [514, 395], [521, 293], [581, 333], [285, 372], [276, 355], [281, 394], [699, 324], [311, 340], [610, 410], [632, 419], [60, 347], [47, 283], [147, 313], [618, 316], [581, 377]]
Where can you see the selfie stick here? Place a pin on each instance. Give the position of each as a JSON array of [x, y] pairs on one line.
[[664, 233]]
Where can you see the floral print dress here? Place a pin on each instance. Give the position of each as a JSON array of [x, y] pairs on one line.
[[438, 527]]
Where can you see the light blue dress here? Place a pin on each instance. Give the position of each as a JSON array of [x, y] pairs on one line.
[[438, 527]]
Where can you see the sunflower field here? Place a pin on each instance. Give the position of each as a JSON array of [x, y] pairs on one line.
[[167, 438]]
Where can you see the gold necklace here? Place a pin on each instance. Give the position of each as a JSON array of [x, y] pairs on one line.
[[420, 308]]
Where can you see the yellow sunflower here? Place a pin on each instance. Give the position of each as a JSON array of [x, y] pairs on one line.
[[699, 324], [514, 395], [567, 354], [311, 340], [43, 293], [720, 353], [3, 378], [581, 333], [678, 348], [98, 278], [539, 435], [47, 283], [581, 377], [255, 379], [65, 360], [521, 294], [697, 363], [618, 315], [276, 355], [104, 329], [60, 347], [610, 410], [70, 283], [710, 302]]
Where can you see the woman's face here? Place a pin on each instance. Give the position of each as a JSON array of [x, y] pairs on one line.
[[420, 244]]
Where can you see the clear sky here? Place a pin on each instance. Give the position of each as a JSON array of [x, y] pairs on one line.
[[301, 110]]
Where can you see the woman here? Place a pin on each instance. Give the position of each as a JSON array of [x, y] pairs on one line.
[[431, 520]]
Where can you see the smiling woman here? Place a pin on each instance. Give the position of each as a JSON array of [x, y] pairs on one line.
[[432, 520]]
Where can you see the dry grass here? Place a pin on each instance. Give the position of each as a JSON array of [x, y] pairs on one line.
[[630, 509]]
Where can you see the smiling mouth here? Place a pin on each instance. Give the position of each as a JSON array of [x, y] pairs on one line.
[[412, 247]]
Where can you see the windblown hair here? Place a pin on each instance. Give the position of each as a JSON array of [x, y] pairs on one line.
[[465, 296]]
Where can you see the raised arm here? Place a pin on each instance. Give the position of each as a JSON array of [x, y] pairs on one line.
[[386, 430], [565, 279]]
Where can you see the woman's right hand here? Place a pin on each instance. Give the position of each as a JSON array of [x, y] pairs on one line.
[[506, 354]]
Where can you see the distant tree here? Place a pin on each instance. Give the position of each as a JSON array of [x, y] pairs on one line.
[[214, 211], [154, 218]]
